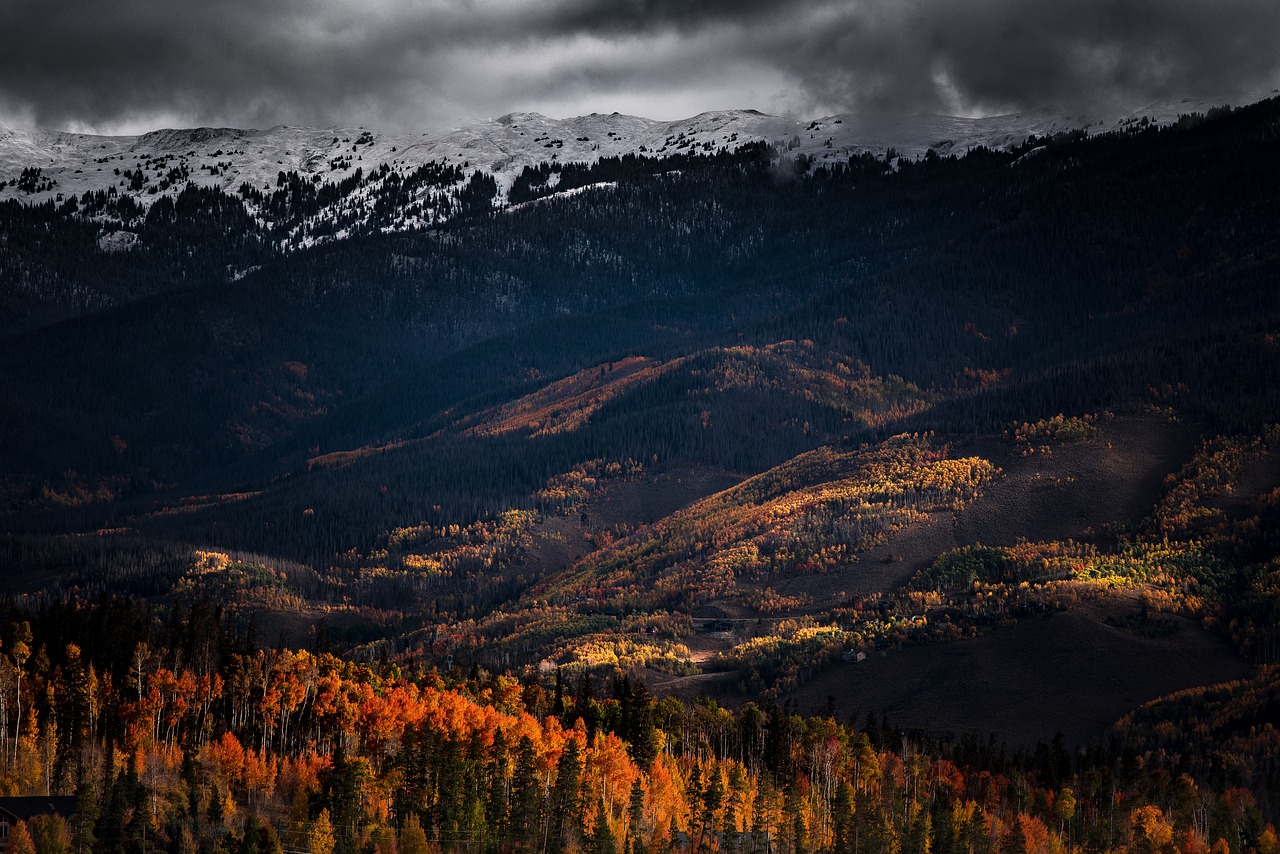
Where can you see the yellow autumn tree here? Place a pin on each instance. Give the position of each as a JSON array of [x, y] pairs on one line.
[[320, 840], [20, 841], [1149, 831], [50, 834], [384, 840], [413, 839]]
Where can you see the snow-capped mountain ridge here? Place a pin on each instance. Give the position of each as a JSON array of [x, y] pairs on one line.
[[38, 166]]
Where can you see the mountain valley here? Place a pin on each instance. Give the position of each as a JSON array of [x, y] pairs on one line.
[[732, 444]]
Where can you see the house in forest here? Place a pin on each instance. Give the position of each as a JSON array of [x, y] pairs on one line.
[[14, 810]]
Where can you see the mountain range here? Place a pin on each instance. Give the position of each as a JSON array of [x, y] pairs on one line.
[[719, 404], [161, 163]]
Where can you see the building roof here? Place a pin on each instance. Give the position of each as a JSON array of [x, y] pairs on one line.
[[24, 809]]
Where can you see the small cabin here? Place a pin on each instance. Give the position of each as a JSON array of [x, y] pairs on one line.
[[14, 810]]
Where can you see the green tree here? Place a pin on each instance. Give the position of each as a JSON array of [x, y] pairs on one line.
[[217, 809], [268, 839], [635, 818], [602, 838], [497, 807], [943, 840], [799, 827], [251, 837], [842, 820], [712, 799], [565, 807], [86, 815], [71, 708], [918, 835], [340, 794], [526, 796]]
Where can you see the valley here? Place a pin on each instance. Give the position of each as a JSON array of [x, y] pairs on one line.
[[725, 493]]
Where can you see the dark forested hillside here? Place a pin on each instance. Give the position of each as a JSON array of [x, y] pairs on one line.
[[504, 496]]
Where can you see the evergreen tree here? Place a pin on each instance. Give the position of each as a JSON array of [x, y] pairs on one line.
[[72, 712], [565, 807], [799, 827], [602, 838], [450, 790], [919, 833], [268, 839], [712, 799], [635, 818], [86, 816], [842, 820], [139, 834], [584, 706], [639, 732], [497, 806], [217, 809], [761, 826], [340, 794], [251, 836], [526, 796], [558, 707], [943, 840]]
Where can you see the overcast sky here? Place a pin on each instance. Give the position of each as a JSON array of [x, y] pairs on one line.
[[131, 65]]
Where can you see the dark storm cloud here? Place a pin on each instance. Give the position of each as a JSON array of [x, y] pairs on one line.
[[636, 16], [1020, 53], [409, 62], [71, 60]]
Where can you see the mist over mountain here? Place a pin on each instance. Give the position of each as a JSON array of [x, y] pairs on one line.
[[162, 163]]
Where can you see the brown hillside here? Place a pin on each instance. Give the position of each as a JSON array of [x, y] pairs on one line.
[[1067, 672], [1069, 492]]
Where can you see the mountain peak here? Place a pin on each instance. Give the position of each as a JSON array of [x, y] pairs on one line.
[[518, 117]]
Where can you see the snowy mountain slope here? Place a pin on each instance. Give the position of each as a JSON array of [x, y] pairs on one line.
[[72, 164], [38, 166]]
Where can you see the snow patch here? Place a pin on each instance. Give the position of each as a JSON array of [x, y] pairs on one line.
[[117, 241]]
